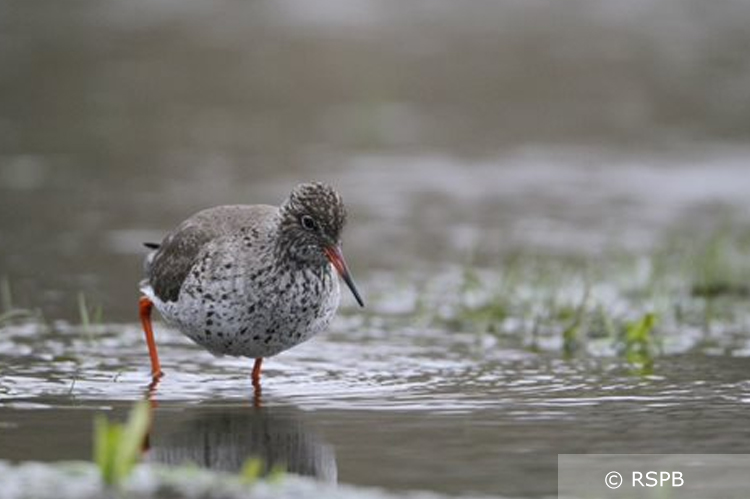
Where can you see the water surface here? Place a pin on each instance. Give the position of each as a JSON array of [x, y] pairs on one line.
[[608, 141], [414, 412]]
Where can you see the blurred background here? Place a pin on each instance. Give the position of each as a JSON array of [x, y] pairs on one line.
[[470, 141], [454, 130]]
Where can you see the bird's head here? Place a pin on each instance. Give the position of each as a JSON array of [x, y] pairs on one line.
[[311, 223]]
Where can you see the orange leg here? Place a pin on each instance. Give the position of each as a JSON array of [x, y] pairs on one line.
[[145, 307], [256, 371]]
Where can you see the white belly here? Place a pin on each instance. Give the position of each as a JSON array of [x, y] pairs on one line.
[[230, 315]]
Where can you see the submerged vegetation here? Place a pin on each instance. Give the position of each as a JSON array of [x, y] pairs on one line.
[[690, 293]]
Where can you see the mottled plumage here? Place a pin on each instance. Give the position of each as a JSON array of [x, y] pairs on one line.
[[252, 280]]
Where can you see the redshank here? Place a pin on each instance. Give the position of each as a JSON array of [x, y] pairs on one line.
[[250, 280]]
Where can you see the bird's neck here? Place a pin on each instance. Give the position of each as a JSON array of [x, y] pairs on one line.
[[289, 255]]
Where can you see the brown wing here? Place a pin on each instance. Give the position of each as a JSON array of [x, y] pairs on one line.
[[178, 252]]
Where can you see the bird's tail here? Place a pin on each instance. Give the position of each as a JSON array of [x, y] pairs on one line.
[[150, 257]]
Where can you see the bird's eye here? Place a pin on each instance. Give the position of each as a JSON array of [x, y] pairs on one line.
[[308, 222]]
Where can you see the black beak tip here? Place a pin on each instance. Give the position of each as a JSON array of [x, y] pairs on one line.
[[355, 292]]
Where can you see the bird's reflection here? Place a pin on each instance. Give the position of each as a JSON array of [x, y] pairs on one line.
[[223, 437]]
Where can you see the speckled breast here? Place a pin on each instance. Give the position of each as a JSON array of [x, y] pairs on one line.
[[254, 312]]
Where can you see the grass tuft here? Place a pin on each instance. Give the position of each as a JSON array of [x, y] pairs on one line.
[[254, 469], [8, 311], [89, 316], [640, 344], [117, 446]]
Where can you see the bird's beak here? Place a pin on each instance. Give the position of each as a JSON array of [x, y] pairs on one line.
[[337, 259]]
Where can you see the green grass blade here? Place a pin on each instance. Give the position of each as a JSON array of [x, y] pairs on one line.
[[131, 441], [251, 470], [101, 441], [117, 447]]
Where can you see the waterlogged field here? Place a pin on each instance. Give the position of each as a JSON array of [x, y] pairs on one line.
[[470, 381], [548, 218]]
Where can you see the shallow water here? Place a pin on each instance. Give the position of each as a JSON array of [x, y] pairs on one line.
[[461, 137], [400, 410]]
